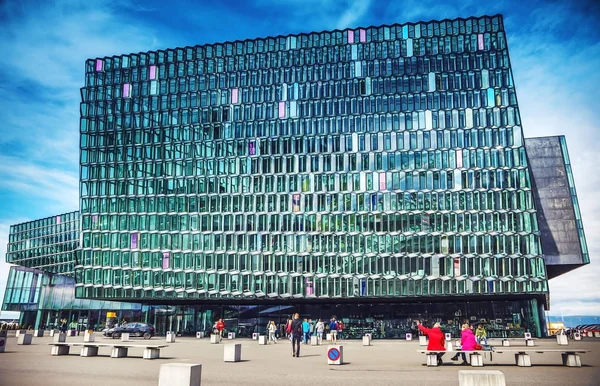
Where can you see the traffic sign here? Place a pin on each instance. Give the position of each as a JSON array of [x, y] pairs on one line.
[[333, 354]]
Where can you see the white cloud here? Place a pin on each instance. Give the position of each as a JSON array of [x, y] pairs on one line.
[[57, 188], [354, 12]]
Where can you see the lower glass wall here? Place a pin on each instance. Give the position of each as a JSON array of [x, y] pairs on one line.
[[44, 299], [503, 319]]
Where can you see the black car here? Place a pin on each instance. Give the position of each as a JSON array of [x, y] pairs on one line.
[[145, 330]]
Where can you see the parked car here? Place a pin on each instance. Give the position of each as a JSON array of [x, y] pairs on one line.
[[144, 330]]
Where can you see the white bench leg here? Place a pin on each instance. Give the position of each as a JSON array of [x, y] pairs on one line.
[[571, 360], [151, 353], [89, 351], [523, 360], [432, 360], [60, 350], [476, 359], [118, 352]]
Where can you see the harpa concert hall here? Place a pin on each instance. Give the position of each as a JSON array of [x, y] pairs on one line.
[[378, 174]]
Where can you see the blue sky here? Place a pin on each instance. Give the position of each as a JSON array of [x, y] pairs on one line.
[[554, 48]]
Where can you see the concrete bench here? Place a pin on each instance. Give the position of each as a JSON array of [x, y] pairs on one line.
[[119, 350], [529, 342], [570, 358], [476, 357]]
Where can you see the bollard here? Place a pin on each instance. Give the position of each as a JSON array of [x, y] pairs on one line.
[[72, 332], [409, 336], [328, 337], [254, 335], [422, 340], [577, 336], [38, 333], [448, 336], [314, 340], [481, 378], [199, 334], [89, 337], [596, 334], [125, 337], [448, 346], [262, 339], [562, 340], [52, 332], [24, 339], [180, 374], [366, 340], [231, 335], [61, 337], [170, 337], [19, 332], [232, 352], [214, 339], [3, 336], [335, 355], [528, 335]]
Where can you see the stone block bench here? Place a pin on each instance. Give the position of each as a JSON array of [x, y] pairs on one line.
[[570, 358], [476, 357], [507, 342], [119, 350]]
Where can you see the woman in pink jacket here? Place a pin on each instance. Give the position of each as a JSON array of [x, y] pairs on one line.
[[467, 342]]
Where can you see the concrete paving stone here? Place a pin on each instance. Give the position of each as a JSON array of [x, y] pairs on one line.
[[387, 362]]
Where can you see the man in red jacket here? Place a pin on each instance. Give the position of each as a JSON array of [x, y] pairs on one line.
[[437, 340]]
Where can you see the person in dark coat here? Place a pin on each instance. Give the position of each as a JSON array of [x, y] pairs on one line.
[[297, 333]]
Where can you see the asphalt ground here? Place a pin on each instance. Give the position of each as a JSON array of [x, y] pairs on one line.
[[386, 362]]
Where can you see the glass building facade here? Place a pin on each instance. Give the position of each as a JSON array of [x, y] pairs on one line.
[[378, 174], [44, 299], [48, 244], [382, 163]]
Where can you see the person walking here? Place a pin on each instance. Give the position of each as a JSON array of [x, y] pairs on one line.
[[467, 343], [320, 327], [340, 329], [220, 327], [333, 327], [288, 329], [312, 329], [437, 340], [296, 335], [305, 331], [63, 325], [481, 334], [272, 330]]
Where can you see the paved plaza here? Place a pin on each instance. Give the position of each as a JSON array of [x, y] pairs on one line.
[[386, 362]]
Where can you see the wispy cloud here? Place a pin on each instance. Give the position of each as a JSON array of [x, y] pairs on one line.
[[45, 46], [353, 14], [55, 187]]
